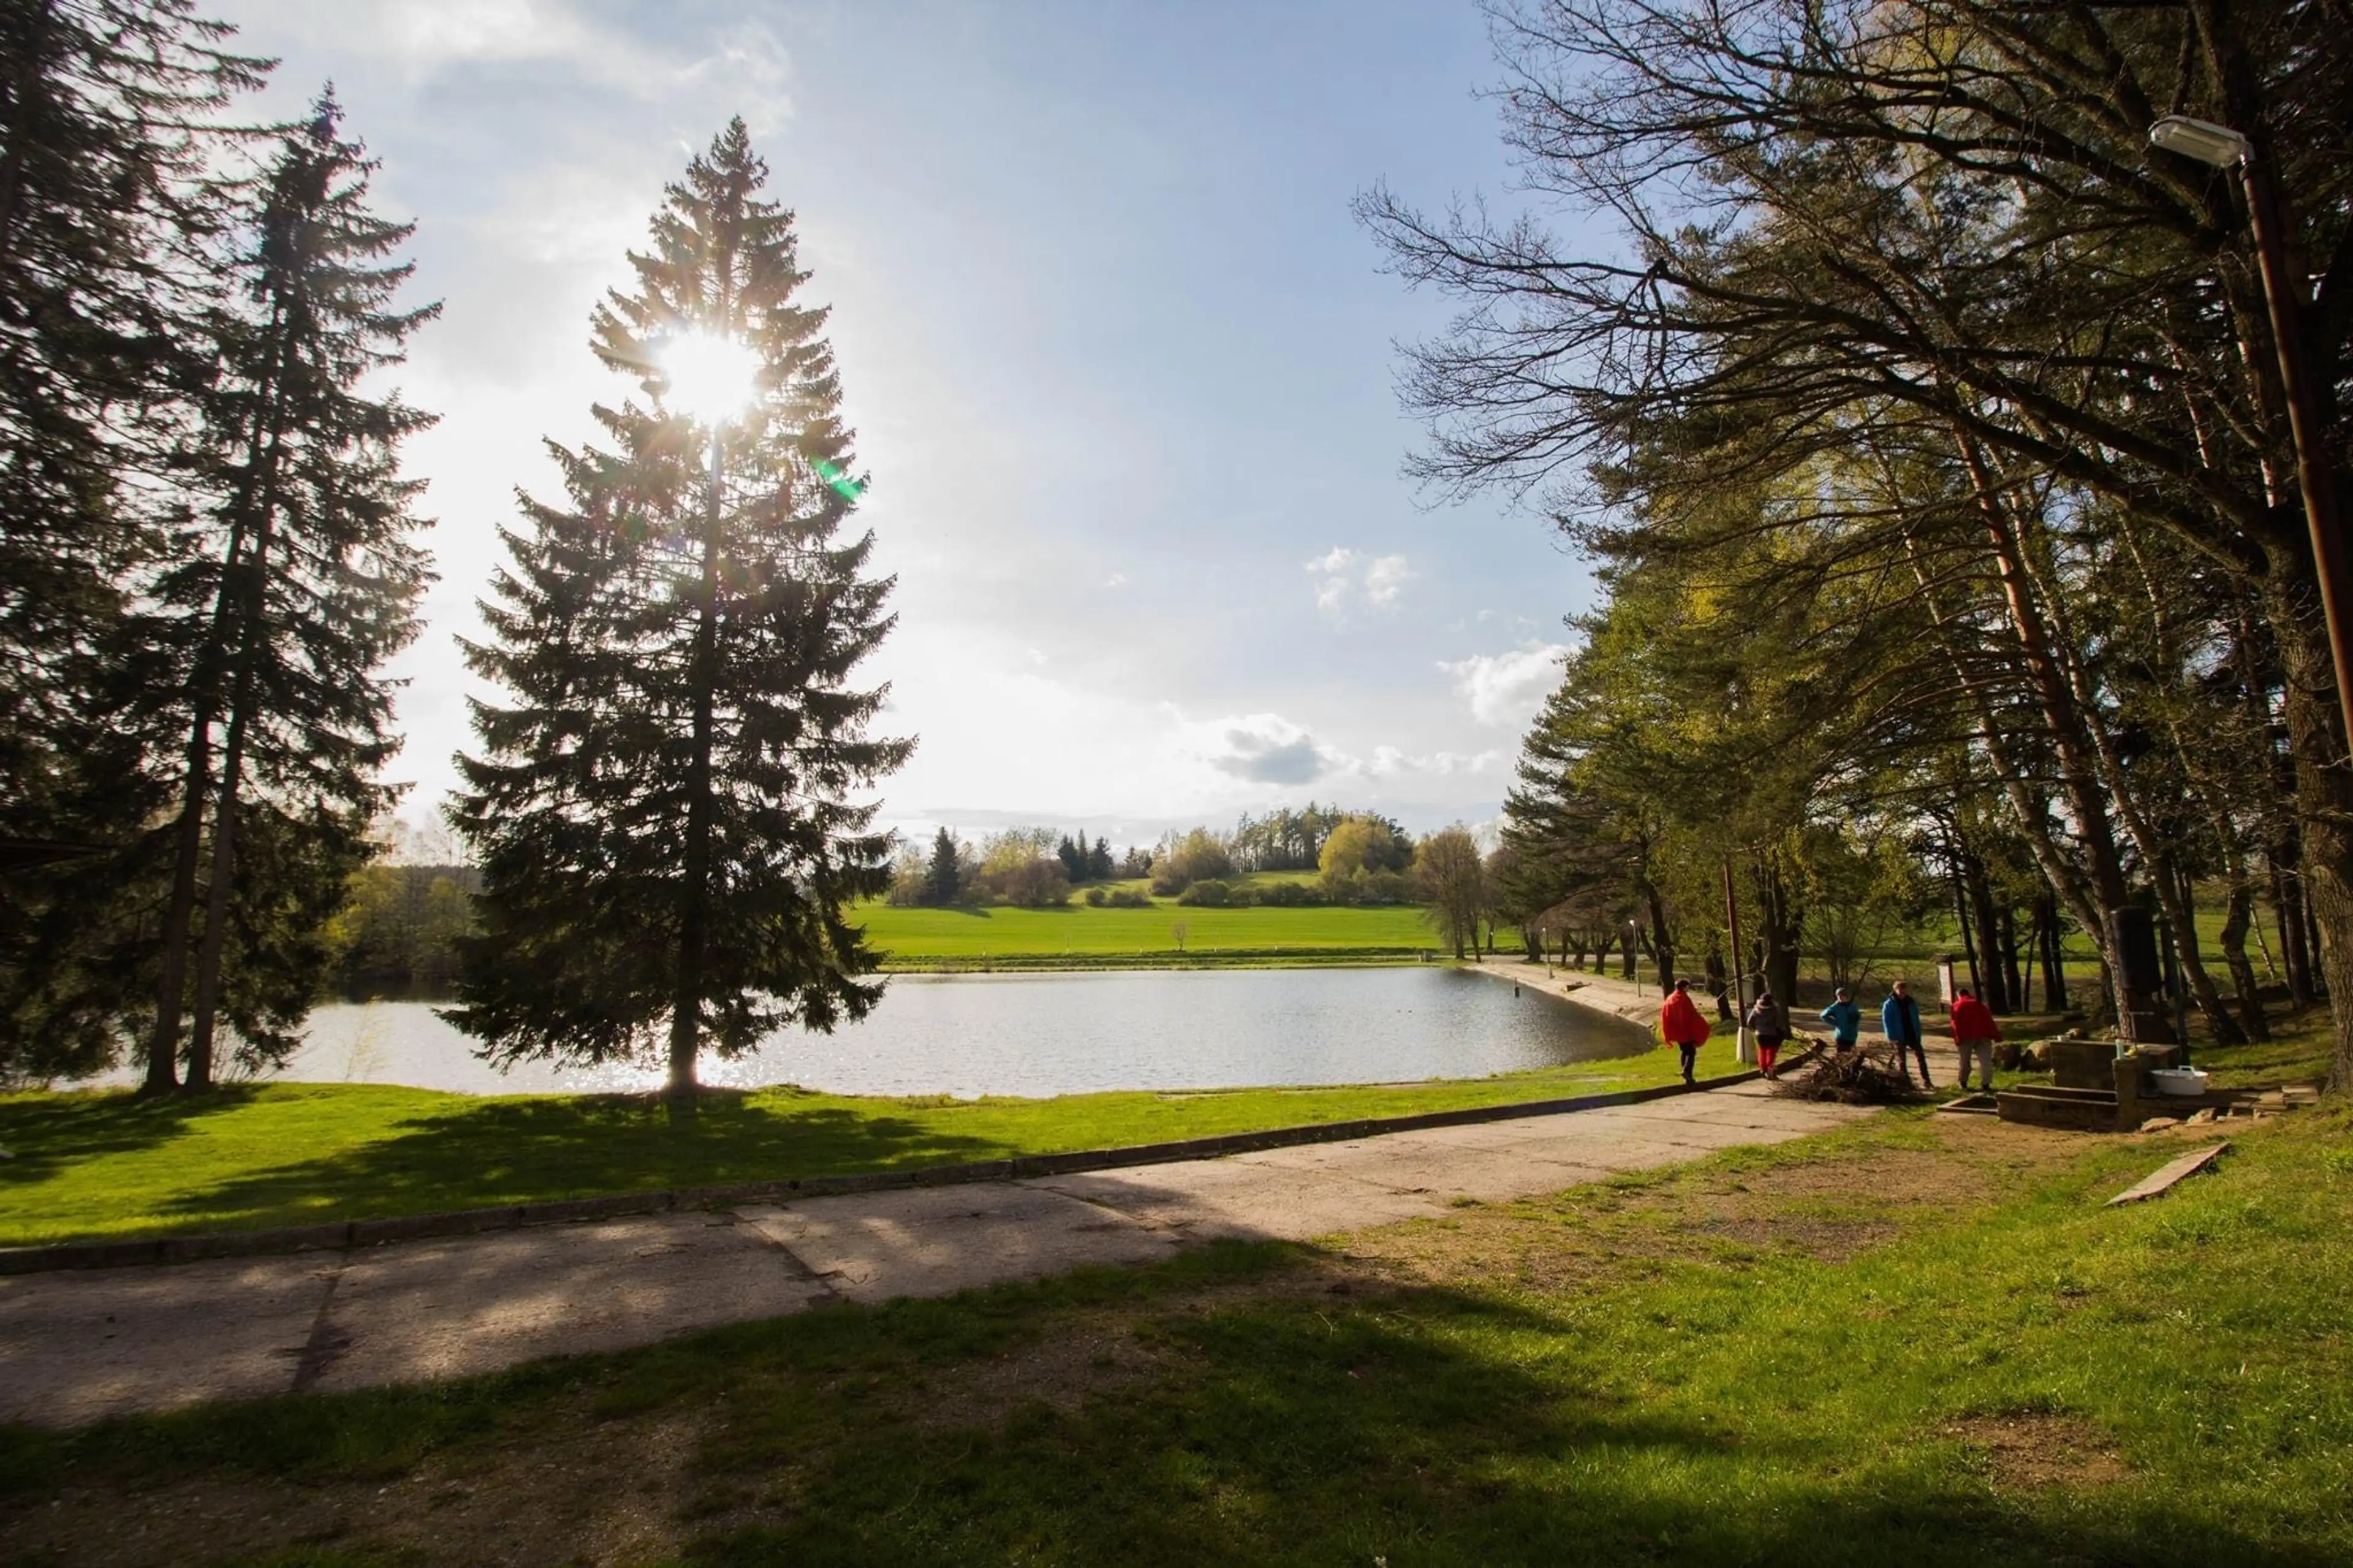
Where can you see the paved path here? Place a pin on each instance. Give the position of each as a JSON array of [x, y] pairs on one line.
[[76, 1346]]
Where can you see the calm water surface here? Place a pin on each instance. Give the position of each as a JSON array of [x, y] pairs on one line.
[[1058, 1033]]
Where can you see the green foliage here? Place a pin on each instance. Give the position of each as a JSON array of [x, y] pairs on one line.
[[399, 936], [666, 814], [1182, 860], [117, 133]]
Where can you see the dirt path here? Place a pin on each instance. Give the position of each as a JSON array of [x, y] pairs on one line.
[[78, 1346]]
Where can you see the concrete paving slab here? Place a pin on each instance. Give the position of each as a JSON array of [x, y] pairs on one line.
[[934, 1241], [471, 1304], [1742, 1111], [77, 1347], [1415, 1164], [1244, 1196]]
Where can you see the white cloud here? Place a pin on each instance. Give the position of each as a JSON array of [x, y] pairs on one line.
[[1507, 687], [1348, 580], [1265, 748], [1394, 763], [422, 39]]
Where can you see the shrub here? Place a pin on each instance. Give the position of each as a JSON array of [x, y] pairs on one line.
[[1285, 895], [1019, 867], [1211, 894], [1199, 855]]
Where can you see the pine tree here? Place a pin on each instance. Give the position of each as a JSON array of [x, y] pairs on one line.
[[297, 579], [111, 129], [663, 813], [944, 883]]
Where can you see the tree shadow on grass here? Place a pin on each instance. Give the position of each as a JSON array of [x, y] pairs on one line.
[[1420, 1427], [1276, 1422], [47, 1132], [493, 1151], [532, 1149]]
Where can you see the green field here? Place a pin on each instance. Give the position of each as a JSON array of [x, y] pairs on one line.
[[924, 938], [89, 1165], [1922, 1342]]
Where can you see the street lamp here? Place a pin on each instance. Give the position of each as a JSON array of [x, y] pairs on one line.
[[2219, 147]]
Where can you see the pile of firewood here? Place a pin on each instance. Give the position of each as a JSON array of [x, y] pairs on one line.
[[1867, 1075]]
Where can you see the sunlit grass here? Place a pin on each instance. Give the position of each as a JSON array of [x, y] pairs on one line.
[[2177, 1373], [102, 1164]]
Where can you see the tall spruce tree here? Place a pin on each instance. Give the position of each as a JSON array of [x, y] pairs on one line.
[[663, 810], [943, 880], [111, 137], [295, 580]]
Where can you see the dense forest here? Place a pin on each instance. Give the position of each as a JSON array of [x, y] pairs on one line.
[[1952, 454]]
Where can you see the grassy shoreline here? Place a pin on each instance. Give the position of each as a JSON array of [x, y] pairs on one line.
[[1921, 1341], [104, 1165]]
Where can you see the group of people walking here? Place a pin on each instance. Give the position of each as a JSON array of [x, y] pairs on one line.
[[1974, 1029]]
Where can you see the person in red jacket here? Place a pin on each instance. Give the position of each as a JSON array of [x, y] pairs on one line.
[[1681, 1025], [1974, 1033]]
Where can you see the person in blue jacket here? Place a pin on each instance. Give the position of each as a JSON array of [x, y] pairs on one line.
[[1899, 1020], [1845, 1020]]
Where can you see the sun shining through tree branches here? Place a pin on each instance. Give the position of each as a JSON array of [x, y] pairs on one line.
[[664, 805]]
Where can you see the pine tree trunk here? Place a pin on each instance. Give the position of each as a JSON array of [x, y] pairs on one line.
[[2287, 919], [2325, 805], [1993, 991], [1961, 919], [179, 909], [2071, 726], [2237, 918], [2054, 953], [2013, 966], [2181, 909], [694, 881], [262, 449], [216, 896]]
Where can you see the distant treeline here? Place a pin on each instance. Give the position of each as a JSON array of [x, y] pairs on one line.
[[1359, 857], [399, 936]]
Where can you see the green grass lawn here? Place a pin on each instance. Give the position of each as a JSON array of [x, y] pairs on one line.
[[924, 937], [91, 1164], [1914, 1342]]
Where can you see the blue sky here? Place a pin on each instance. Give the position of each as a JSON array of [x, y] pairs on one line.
[[1120, 362]]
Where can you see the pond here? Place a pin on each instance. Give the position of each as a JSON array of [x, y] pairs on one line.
[[1058, 1033]]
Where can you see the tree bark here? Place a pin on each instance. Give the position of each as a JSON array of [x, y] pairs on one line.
[[694, 874], [2237, 917]]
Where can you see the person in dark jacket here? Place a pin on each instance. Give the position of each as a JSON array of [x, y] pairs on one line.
[[1772, 1026], [1899, 1020]]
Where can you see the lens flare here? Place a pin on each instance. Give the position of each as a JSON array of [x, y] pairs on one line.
[[707, 377], [841, 484]]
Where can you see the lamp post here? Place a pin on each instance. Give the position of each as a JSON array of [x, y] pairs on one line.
[[2219, 147], [711, 378]]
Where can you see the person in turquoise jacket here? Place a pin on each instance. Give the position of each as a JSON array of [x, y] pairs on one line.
[[1845, 1020], [1899, 1020]]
